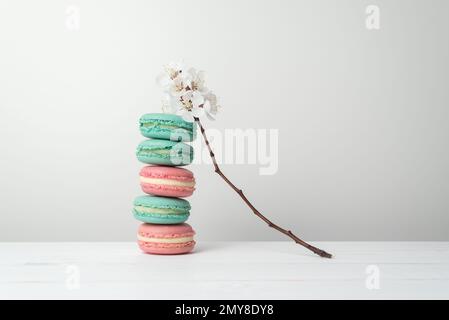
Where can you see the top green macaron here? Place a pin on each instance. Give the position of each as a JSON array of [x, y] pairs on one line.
[[167, 127]]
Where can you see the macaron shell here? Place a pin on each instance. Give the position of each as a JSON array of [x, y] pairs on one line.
[[168, 175], [167, 191], [160, 219], [164, 152], [162, 202], [166, 172], [169, 250], [167, 127], [166, 232], [161, 231]]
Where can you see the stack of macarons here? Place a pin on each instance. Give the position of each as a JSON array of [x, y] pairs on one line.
[[162, 210]]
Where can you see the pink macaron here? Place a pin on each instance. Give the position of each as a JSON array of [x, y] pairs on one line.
[[167, 181], [165, 239]]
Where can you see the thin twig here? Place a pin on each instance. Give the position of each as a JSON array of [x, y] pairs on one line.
[[288, 233]]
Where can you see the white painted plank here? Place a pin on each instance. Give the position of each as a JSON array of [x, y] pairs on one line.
[[225, 270]]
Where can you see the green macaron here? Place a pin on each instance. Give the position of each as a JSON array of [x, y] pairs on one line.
[[167, 127], [161, 210], [164, 152]]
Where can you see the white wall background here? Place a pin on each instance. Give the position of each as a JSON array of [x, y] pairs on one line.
[[362, 115]]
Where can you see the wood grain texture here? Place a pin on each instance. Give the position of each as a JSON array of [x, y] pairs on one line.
[[224, 270]]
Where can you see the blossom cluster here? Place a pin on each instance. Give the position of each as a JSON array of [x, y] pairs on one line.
[[185, 93]]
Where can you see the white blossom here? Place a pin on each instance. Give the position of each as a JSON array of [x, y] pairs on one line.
[[185, 93], [210, 105]]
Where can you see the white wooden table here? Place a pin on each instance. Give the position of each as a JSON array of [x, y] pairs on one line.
[[226, 270]]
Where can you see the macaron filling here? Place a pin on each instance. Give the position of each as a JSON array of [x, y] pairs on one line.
[[167, 182], [174, 153], [165, 240], [156, 151], [151, 210]]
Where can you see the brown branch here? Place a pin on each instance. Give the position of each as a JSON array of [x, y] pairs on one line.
[[288, 233]]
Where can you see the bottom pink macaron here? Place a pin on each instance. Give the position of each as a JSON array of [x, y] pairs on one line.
[[165, 239]]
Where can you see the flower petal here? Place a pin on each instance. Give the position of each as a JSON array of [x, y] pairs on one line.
[[198, 112], [210, 110], [175, 65], [197, 99], [163, 80], [212, 98], [187, 116], [204, 91], [207, 106]]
